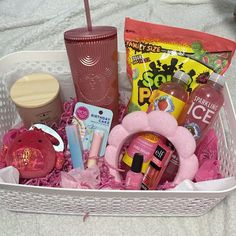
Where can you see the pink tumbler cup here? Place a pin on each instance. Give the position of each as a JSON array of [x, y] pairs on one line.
[[93, 61]]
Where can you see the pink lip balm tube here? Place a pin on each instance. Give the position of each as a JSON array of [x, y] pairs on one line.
[[95, 147]]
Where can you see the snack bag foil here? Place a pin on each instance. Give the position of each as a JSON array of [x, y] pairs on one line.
[[154, 52]]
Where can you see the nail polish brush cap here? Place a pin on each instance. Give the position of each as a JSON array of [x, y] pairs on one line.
[[137, 163]]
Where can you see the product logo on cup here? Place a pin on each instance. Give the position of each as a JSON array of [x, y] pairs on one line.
[[82, 113]]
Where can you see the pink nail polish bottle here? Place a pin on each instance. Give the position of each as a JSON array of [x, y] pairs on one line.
[[134, 176]]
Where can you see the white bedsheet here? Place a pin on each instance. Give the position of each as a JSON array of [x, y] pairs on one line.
[[39, 25]]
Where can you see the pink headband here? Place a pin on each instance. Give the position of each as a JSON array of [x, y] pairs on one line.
[[161, 123]]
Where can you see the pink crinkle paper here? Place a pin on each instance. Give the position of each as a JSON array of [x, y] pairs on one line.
[[85, 179], [209, 165], [207, 153]]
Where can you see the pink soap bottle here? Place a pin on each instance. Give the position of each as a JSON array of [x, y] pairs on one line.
[[134, 176], [203, 106]]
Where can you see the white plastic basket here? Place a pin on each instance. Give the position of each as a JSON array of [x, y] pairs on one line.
[[103, 202]]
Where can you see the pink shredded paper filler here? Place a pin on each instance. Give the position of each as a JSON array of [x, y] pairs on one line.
[[207, 153], [209, 165]]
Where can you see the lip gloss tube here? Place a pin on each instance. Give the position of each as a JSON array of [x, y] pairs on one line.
[[75, 146], [156, 167], [95, 147]]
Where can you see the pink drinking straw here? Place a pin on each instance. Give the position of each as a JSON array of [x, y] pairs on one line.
[[88, 17]]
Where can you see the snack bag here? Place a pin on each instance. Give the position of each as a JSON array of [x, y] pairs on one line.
[[154, 52]]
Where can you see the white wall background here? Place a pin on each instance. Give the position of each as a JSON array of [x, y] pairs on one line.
[[39, 24]]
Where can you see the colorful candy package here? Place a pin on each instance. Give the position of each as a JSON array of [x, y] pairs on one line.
[[154, 52]]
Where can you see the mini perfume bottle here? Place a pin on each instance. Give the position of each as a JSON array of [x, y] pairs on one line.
[[134, 176]]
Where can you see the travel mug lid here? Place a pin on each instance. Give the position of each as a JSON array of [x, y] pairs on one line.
[[97, 33]]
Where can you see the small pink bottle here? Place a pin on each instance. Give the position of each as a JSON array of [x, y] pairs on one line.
[[203, 106], [134, 176], [145, 144]]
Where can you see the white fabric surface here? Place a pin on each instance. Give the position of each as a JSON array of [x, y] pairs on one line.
[[9, 175], [39, 25], [209, 185]]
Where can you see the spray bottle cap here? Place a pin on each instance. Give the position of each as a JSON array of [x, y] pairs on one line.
[[217, 78], [137, 163], [181, 76]]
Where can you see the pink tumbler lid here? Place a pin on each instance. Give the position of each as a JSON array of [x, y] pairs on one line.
[[97, 33]]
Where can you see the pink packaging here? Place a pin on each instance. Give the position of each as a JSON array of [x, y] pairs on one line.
[[145, 144]]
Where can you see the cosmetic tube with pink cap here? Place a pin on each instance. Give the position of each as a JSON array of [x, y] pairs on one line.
[[95, 147]]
